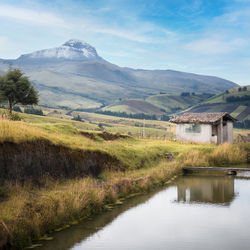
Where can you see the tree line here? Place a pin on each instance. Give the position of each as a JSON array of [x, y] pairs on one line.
[[134, 116], [243, 124], [238, 98]]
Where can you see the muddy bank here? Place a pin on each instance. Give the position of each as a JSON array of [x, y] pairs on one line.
[[104, 135], [35, 160]]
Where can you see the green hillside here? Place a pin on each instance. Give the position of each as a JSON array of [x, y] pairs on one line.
[[173, 103], [157, 104], [134, 106], [224, 97], [235, 101]]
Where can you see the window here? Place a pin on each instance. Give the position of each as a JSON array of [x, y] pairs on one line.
[[192, 128]]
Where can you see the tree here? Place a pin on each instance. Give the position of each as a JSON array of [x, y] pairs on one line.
[[185, 94], [17, 89], [77, 118]]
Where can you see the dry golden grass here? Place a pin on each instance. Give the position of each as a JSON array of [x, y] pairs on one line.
[[18, 131], [225, 154], [31, 212]]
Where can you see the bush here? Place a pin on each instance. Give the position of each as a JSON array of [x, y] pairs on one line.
[[77, 118], [185, 94], [124, 114], [165, 118], [17, 109], [15, 117], [33, 111], [243, 124], [238, 98]]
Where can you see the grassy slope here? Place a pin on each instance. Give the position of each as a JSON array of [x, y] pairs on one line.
[[221, 98], [239, 110], [133, 106], [132, 126], [156, 104], [30, 212], [172, 102]]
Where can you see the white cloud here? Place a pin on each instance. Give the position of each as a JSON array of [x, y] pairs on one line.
[[31, 16], [137, 31], [215, 46], [126, 34], [234, 18]]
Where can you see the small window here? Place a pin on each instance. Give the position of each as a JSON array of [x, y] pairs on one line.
[[192, 128]]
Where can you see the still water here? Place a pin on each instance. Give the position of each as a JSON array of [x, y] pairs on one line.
[[196, 212]]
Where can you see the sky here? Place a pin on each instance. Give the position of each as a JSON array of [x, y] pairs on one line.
[[200, 36]]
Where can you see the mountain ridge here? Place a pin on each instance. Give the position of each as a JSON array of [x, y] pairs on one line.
[[76, 69], [72, 49]]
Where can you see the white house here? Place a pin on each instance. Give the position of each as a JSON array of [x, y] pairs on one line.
[[204, 127]]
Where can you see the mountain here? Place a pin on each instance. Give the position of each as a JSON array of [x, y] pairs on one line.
[[235, 101], [73, 75], [73, 49]]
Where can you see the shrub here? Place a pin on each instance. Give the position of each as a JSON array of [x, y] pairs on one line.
[[77, 118], [17, 109], [33, 111], [15, 117]]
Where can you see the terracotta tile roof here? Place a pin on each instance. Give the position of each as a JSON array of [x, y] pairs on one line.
[[202, 117]]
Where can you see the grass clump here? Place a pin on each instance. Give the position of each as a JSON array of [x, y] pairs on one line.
[[222, 155]]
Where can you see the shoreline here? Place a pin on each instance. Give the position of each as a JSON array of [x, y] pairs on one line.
[[35, 207]]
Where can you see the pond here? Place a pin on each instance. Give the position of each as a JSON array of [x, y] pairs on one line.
[[195, 212]]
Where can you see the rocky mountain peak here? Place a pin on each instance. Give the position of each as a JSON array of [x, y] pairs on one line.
[[73, 49]]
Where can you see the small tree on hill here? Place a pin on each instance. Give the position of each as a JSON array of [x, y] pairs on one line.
[[17, 89]]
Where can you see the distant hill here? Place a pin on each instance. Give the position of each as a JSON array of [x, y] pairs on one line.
[[235, 101], [133, 106], [174, 103], [73, 75], [157, 104]]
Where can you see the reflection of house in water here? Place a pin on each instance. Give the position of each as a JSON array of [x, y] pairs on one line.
[[218, 190]]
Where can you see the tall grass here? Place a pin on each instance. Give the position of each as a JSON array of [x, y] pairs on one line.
[[223, 155], [31, 211]]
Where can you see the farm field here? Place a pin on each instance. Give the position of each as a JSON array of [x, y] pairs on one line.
[[238, 106], [95, 122]]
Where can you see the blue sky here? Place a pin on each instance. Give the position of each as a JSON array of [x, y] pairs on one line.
[[200, 36]]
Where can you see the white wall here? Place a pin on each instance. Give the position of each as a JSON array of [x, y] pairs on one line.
[[205, 136]]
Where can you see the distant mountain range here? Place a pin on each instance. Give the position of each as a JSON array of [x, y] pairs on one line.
[[73, 75]]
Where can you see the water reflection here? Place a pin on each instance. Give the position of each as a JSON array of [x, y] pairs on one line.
[[201, 189], [175, 218], [66, 239]]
